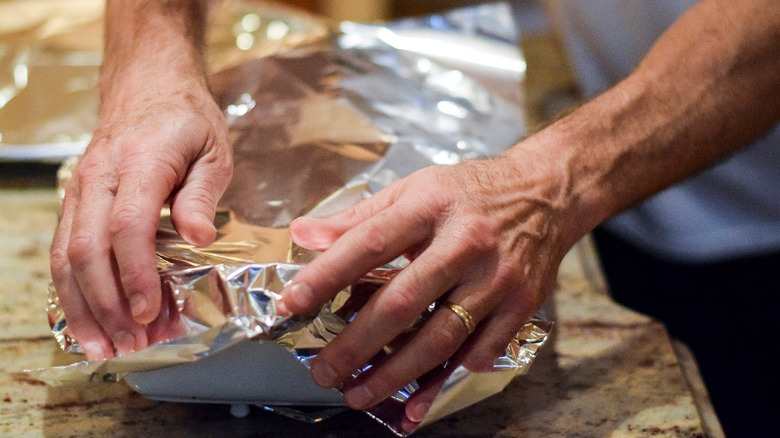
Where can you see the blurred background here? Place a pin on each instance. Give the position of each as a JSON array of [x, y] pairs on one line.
[[549, 85]]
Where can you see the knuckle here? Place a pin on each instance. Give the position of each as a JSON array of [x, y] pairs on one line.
[[441, 341], [58, 260], [479, 233], [90, 171], [106, 314], [360, 210], [508, 276], [128, 216], [89, 167], [344, 361], [201, 196], [225, 165], [401, 304], [81, 248], [372, 239], [432, 202], [136, 279], [370, 206], [134, 154], [220, 162]]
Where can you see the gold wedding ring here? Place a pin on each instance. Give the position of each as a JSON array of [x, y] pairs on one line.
[[464, 316]]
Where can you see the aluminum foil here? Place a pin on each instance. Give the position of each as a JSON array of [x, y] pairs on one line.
[[315, 129], [51, 51]]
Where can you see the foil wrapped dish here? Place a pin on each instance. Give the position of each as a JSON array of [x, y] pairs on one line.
[[347, 108]]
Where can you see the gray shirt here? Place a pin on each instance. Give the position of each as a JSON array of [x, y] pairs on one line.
[[729, 210]]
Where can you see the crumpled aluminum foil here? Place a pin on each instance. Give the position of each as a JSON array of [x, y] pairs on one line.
[[315, 129]]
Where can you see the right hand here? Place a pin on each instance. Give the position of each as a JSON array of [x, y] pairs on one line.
[[158, 140], [488, 235]]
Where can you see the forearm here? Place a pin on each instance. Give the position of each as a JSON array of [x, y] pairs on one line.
[[161, 138], [151, 45], [707, 87]]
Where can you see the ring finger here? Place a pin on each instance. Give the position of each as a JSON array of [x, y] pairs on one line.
[[435, 342]]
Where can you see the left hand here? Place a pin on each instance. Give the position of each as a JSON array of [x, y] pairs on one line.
[[149, 148], [488, 235]]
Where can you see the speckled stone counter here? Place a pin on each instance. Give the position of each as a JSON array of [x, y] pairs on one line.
[[608, 372]]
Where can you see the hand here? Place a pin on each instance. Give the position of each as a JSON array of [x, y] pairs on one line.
[[157, 141], [488, 235]]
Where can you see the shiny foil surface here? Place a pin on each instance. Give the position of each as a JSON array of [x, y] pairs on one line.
[[317, 127], [50, 56]]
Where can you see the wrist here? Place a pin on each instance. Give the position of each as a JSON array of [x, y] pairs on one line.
[[152, 46], [610, 153], [579, 160], [543, 165]]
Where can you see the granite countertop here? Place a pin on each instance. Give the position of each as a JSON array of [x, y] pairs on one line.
[[608, 371]]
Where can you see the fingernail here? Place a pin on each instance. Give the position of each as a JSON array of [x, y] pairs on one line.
[[124, 342], [94, 351], [281, 309], [323, 374], [138, 305], [359, 397], [299, 293], [419, 411]]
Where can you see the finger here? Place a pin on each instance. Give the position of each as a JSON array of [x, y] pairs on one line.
[[82, 325], [387, 313], [493, 337], [372, 243], [90, 256], [420, 401], [435, 343], [316, 234], [478, 354], [195, 204], [133, 227], [492, 346], [319, 234]]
